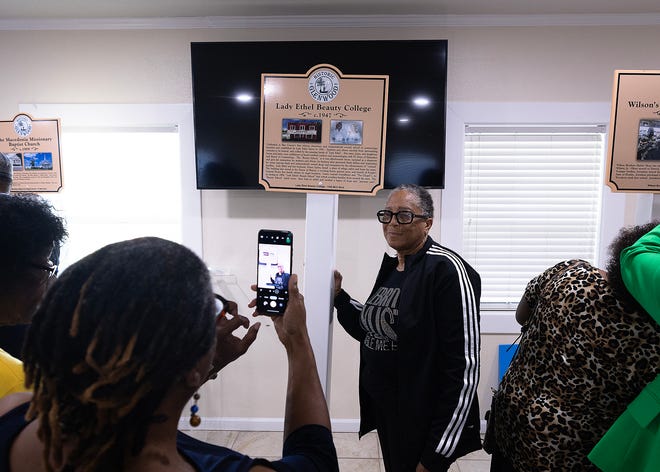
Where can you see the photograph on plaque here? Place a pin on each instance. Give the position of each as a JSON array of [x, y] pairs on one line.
[[38, 161], [633, 160], [16, 159], [648, 142], [295, 129], [345, 132]]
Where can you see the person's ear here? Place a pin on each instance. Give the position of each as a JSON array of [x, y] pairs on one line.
[[196, 376], [193, 378]]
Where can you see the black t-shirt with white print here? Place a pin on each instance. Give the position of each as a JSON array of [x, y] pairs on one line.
[[379, 320]]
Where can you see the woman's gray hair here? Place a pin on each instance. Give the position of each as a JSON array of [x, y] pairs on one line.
[[424, 198], [6, 168]]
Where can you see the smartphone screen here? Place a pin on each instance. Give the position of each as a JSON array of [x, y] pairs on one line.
[[274, 260]]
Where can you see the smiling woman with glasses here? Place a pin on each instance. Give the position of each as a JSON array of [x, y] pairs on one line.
[[419, 339]]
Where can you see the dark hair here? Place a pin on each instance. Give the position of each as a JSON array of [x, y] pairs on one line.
[[115, 331], [6, 169], [627, 237], [424, 198], [28, 225]]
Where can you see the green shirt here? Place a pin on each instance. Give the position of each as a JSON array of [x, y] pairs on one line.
[[632, 444], [640, 269]]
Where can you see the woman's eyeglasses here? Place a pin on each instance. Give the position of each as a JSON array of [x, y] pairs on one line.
[[50, 268], [403, 217]]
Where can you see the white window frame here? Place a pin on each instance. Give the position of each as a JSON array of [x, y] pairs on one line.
[[531, 161], [613, 208], [142, 116]]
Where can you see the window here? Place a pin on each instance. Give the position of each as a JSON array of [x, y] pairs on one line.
[[531, 198], [118, 184], [127, 171]]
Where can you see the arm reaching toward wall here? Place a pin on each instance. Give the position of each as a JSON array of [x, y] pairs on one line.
[[306, 419]]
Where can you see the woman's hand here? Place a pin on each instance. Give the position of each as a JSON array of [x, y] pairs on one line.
[[291, 327], [338, 278], [230, 347], [421, 468], [305, 400]]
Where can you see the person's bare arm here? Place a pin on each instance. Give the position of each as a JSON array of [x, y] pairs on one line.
[[305, 401], [11, 401]]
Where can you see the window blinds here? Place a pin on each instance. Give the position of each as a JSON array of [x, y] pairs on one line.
[[531, 199]]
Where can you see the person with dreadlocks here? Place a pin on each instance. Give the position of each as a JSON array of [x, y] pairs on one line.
[[122, 341], [29, 229]]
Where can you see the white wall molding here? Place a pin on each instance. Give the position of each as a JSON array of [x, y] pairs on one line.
[[330, 21]]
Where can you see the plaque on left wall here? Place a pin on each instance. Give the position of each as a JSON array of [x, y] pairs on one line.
[[33, 145]]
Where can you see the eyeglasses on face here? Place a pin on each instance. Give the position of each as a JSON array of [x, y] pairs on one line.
[[50, 268], [403, 217]]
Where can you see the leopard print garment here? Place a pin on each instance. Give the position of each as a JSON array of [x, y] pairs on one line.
[[582, 359]]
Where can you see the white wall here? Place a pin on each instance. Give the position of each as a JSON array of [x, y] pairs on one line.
[[495, 66]]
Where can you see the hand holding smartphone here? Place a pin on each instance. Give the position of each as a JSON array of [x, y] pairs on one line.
[[274, 262]]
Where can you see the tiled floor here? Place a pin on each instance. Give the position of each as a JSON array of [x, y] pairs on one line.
[[354, 455]]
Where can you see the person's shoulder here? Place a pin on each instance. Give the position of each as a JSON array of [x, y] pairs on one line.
[[564, 270], [448, 264], [572, 264], [443, 255], [11, 401], [7, 359]]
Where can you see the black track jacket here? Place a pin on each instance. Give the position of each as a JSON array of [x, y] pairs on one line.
[[438, 354]]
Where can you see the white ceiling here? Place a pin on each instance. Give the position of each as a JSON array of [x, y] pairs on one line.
[[99, 9]]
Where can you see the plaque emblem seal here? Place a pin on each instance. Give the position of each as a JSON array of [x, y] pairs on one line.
[[22, 125], [323, 85]]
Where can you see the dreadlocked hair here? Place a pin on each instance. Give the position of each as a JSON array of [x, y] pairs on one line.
[[114, 332], [626, 237]]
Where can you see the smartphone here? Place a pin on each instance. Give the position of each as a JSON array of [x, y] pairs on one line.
[[274, 262]]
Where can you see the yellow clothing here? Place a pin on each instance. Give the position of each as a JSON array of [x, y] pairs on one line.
[[12, 378]]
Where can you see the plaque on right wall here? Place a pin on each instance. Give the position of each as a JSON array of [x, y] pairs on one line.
[[633, 160]]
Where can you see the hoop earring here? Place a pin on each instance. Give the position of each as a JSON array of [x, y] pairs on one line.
[[195, 419]]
